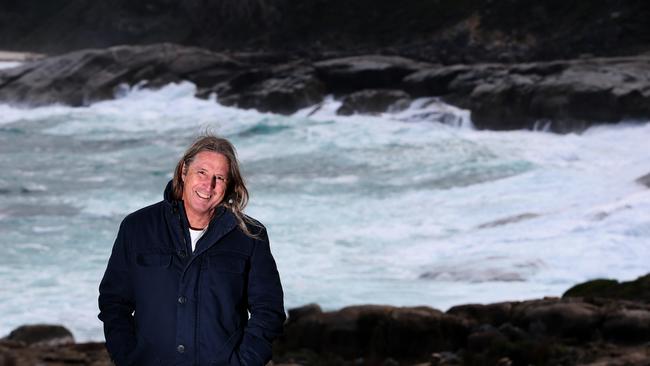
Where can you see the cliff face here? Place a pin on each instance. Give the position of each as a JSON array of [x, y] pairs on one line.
[[446, 31]]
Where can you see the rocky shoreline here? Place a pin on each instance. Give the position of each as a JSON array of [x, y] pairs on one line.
[[601, 322], [559, 96]]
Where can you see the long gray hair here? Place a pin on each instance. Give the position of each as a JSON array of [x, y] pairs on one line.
[[236, 196]]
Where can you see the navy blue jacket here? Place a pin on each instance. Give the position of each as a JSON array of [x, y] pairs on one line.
[[161, 304]]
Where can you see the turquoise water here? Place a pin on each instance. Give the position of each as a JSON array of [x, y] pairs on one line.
[[396, 209]]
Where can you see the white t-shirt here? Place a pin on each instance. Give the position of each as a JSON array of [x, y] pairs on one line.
[[195, 235]]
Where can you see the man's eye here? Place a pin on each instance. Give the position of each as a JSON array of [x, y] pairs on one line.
[[221, 178], [201, 172]]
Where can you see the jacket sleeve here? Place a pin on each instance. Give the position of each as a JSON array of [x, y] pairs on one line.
[[265, 303], [116, 303]]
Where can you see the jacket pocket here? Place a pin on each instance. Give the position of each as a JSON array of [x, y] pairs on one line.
[[227, 354], [153, 259], [142, 355], [228, 262]]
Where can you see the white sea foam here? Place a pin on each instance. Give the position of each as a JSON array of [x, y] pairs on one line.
[[404, 208]]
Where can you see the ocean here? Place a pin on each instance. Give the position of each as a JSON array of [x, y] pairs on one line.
[[405, 208]]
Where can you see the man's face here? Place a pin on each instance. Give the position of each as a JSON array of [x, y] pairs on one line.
[[204, 184]]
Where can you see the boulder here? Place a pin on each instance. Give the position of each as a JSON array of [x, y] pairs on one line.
[[296, 314], [375, 332], [41, 335], [493, 314], [637, 290], [566, 319], [627, 325], [484, 338], [372, 101], [283, 88]]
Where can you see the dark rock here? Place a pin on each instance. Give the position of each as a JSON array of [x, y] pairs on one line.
[[42, 335], [484, 338], [628, 325], [561, 96], [437, 80], [344, 75], [637, 290], [87, 76], [19, 354], [568, 319], [644, 180], [583, 93], [372, 101], [281, 89], [82, 77], [376, 332], [296, 314], [493, 314], [514, 334]]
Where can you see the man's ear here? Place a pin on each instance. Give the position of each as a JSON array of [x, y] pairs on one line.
[[183, 172]]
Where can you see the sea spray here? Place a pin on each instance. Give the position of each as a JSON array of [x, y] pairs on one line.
[[406, 208]]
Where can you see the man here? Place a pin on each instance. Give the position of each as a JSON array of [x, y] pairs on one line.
[[185, 272]]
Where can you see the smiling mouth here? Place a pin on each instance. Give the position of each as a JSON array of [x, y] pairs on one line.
[[203, 196]]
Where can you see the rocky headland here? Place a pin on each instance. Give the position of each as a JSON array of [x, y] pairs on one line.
[[560, 96], [554, 65], [597, 323]]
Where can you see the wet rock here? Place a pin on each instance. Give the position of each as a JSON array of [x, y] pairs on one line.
[[484, 338], [454, 79], [344, 75], [568, 319], [514, 334], [581, 93], [637, 290], [281, 89], [376, 332], [83, 77], [41, 335], [493, 314], [371, 101], [19, 354], [560, 96], [296, 314], [628, 325]]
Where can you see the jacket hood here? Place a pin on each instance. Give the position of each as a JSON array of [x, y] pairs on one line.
[[167, 195]]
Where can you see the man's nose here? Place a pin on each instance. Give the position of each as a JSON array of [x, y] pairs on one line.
[[213, 182]]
